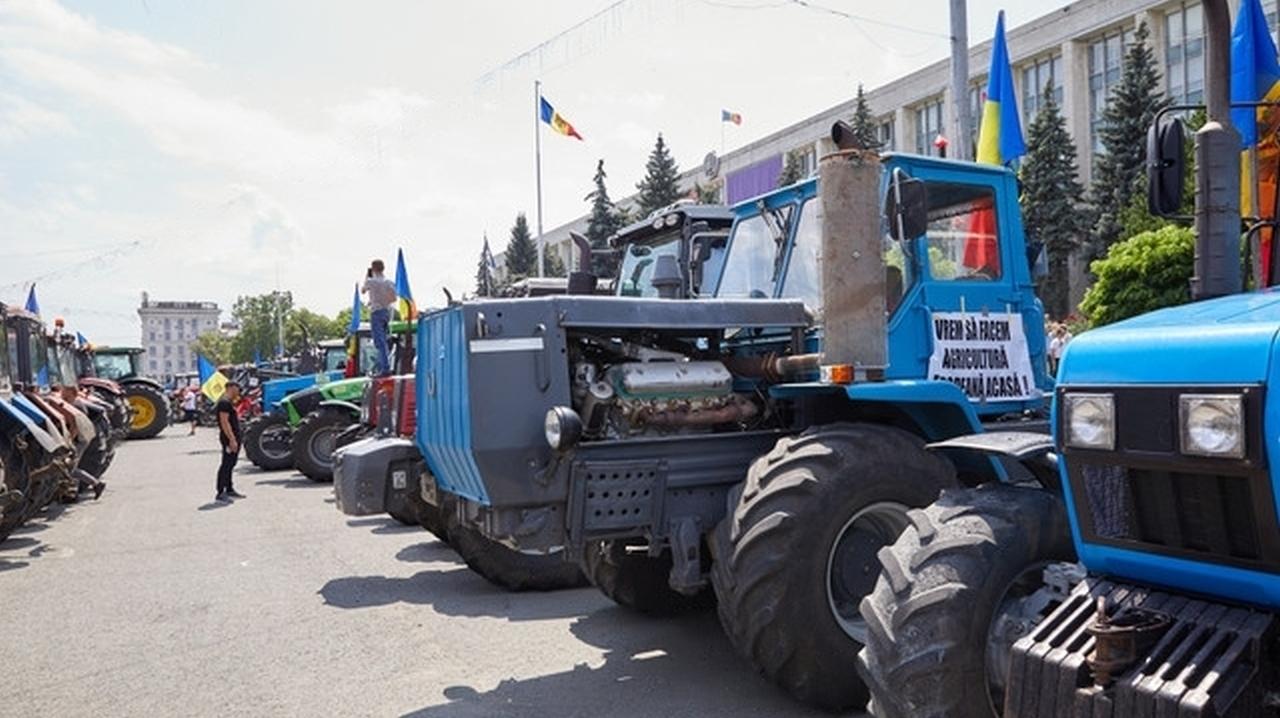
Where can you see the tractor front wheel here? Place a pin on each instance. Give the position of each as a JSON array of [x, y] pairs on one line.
[[632, 578], [505, 567], [268, 442], [149, 408], [314, 441], [797, 550], [959, 587]]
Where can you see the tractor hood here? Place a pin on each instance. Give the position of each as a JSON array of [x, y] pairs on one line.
[[1218, 341]]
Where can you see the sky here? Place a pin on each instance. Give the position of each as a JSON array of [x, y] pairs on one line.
[[201, 150]]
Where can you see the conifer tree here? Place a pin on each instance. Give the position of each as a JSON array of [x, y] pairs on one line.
[[791, 172], [603, 222], [658, 188], [485, 282], [552, 265], [1119, 170], [706, 193], [1051, 200], [522, 251], [863, 124]]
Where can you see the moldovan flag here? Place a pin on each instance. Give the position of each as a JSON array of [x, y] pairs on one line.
[[734, 117], [1255, 77], [404, 305], [999, 143], [556, 120], [212, 382]]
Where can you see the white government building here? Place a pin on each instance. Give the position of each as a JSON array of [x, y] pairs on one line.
[[168, 329], [1078, 48]]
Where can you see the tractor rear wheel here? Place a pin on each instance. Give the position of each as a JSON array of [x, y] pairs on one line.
[[504, 566], [17, 489], [635, 580], [150, 409], [797, 550], [268, 442], [98, 457], [314, 441], [936, 642]]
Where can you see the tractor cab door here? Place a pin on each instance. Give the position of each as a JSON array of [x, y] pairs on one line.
[[970, 314]]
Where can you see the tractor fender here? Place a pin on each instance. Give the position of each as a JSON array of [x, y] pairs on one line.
[[105, 384], [936, 410], [1034, 450], [143, 380], [21, 422], [337, 403]]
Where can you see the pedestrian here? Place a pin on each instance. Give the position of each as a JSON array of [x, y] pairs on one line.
[[1058, 339], [190, 412], [382, 296], [229, 437]]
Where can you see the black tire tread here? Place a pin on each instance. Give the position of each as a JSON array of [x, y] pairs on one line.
[[925, 653], [156, 397], [252, 437], [638, 581], [756, 549], [321, 418], [508, 568]]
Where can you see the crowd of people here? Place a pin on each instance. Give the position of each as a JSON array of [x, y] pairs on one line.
[[1057, 336]]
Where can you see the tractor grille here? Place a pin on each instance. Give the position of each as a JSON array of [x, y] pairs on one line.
[[443, 389], [1148, 496]]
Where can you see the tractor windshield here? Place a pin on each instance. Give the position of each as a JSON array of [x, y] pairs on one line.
[[67, 366], [113, 366], [38, 351], [755, 254], [54, 366], [636, 273], [7, 360]]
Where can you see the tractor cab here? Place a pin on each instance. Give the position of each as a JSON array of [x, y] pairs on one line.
[[693, 236], [959, 299], [118, 363]]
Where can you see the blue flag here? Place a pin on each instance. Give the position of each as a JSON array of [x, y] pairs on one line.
[[32, 305], [257, 357], [81, 341], [404, 305], [205, 367], [1000, 136], [354, 326]]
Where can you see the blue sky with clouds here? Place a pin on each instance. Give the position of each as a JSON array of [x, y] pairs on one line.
[[198, 150]]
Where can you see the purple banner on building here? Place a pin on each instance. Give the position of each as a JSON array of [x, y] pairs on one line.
[[753, 180]]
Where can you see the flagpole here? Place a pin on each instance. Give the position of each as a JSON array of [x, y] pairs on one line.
[[537, 157]]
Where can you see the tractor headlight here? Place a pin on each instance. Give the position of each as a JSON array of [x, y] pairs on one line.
[[1091, 421], [1212, 424], [563, 427]]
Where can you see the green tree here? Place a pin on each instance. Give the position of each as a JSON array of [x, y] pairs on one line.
[[791, 171], [1051, 199], [865, 132], [1120, 169], [1145, 272], [522, 251], [658, 188], [552, 265], [485, 282], [259, 318], [303, 328], [706, 193], [603, 222], [214, 346]]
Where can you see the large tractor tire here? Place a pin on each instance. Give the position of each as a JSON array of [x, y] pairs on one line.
[[17, 490], [98, 457], [508, 568], [150, 410], [314, 441], [268, 442], [635, 580], [972, 555], [796, 552]]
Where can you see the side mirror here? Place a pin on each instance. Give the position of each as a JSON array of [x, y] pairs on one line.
[[1166, 167], [906, 207]]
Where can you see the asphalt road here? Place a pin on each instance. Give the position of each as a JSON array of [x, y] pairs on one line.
[[157, 601]]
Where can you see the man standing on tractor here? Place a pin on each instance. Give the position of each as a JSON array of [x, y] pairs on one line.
[[229, 437], [382, 296]]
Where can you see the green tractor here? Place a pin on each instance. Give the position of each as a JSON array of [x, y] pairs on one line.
[[148, 404], [301, 430]]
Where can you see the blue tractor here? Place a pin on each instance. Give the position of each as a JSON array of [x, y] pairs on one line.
[[1138, 574], [760, 445]]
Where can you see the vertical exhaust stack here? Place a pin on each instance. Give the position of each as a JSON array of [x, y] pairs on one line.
[[853, 274], [1217, 214]]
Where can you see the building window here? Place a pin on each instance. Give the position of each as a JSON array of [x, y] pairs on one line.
[[168, 366], [928, 126], [1106, 60], [153, 336], [884, 133], [166, 323], [1036, 76], [151, 350], [168, 350], [153, 364], [168, 336], [1184, 54]]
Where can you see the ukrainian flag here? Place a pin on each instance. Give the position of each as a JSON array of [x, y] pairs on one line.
[[353, 327], [1000, 137], [213, 383], [407, 309], [1255, 77]]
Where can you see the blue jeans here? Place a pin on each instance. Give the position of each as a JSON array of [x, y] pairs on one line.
[[379, 320]]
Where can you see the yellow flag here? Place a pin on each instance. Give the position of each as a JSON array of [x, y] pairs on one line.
[[215, 386]]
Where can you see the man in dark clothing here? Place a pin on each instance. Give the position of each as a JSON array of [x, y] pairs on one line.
[[229, 436]]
